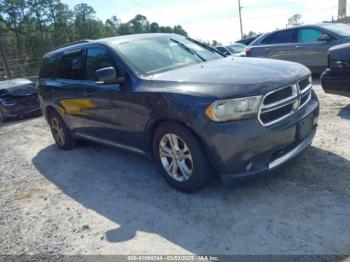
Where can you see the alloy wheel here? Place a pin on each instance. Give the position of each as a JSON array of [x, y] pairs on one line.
[[58, 131], [176, 157]]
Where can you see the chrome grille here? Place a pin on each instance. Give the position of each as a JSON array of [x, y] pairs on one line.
[[278, 95], [304, 83], [283, 102]]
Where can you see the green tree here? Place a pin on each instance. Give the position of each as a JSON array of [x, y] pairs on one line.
[[30, 28], [111, 26], [250, 35], [140, 24], [179, 30], [166, 29], [154, 28], [295, 20], [38, 11]]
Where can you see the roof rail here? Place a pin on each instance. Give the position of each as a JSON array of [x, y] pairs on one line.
[[74, 43]]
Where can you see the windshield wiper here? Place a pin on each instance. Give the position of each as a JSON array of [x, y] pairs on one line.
[[187, 48]]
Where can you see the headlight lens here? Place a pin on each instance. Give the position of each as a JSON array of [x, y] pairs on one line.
[[234, 109], [7, 101]]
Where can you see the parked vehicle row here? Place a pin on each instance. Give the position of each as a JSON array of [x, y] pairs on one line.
[[193, 110], [307, 44], [232, 50], [322, 48]]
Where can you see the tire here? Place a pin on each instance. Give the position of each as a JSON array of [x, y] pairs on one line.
[[60, 132], [3, 118], [186, 169]]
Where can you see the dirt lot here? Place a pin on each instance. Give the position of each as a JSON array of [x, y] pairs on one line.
[[99, 200]]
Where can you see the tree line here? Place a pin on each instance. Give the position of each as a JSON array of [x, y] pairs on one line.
[[30, 28]]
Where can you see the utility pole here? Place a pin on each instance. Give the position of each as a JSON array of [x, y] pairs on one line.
[[240, 17], [4, 60]]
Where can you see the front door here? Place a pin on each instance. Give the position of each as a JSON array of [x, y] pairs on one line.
[[312, 52], [114, 112]]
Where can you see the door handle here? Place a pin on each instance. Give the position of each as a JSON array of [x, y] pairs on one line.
[[298, 46], [85, 93]]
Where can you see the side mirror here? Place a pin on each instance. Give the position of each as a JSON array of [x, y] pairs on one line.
[[108, 75], [324, 38]]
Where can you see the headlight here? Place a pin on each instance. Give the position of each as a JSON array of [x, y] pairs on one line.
[[234, 109], [7, 101]]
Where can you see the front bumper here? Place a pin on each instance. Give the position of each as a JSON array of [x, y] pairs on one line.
[[18, 111], [337, 83], [244, 149]]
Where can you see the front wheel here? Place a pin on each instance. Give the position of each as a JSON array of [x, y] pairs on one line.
[[180, 157]]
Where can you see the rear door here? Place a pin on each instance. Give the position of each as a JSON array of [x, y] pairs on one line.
[[312, 52], [70, 89], [279, 45]]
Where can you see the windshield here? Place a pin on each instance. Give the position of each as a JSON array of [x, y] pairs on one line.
[[340, 29], [160, 54], [236, 48]]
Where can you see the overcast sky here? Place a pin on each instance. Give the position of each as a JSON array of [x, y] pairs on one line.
[[216, 19]]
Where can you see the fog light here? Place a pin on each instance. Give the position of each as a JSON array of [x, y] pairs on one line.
[[249, 166]]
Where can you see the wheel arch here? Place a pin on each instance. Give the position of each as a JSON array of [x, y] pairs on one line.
[[152, 127], [48, 110]]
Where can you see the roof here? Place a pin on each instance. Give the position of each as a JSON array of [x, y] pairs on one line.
[[111, 40], [302, 26]]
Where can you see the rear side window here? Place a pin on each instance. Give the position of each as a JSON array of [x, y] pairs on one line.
[[283, 37], [72, 66], [49, 68], [97, 58], [309, 35]]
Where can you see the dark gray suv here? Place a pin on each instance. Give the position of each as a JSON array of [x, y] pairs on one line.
[[307, 44], [194, 111]]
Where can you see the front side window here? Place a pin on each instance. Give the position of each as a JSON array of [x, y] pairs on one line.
[[97, 58], [49, 68], [159, 54], [309, 35], [283, 37], [72, 66]]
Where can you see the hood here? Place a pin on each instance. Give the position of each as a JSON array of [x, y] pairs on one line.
[[231, 76], [17, 87]]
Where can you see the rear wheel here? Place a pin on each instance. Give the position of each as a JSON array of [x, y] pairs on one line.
[[60, 132], [3, 117], [180, 157]]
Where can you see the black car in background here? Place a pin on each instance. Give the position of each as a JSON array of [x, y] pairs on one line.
[[194, 111], [18, 99], [223, 50], [248, 41], [232, 50], [336, 78]]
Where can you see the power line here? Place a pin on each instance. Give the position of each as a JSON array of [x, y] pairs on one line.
[[152, 10], [307, 11]]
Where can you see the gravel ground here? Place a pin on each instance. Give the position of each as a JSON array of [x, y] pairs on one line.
[[99, 200]]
